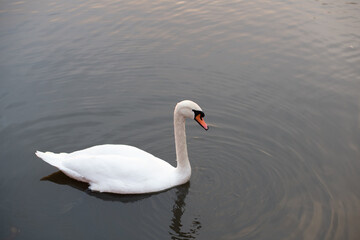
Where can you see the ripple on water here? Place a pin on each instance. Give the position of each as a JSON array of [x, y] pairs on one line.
[[257, 184]]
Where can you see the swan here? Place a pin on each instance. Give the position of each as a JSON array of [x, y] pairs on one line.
[[125, 169]]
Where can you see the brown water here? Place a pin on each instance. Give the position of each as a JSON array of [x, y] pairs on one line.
[[279, 82]]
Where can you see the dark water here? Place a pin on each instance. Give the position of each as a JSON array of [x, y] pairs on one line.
[[279, 82]]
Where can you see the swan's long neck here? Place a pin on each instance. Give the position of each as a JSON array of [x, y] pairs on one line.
[[183, 164]]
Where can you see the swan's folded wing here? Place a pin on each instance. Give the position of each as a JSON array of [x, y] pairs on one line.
[[102, 168]]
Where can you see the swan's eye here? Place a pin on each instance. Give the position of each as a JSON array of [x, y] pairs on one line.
[[202, 114]]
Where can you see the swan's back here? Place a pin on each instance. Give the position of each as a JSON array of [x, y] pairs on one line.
[[114, 168], [113, 149]]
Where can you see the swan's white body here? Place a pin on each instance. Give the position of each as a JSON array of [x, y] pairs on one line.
[[128, 170]]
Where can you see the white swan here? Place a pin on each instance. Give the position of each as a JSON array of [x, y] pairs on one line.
[[128, 170]]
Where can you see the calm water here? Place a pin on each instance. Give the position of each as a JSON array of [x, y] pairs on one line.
[[279, 82]]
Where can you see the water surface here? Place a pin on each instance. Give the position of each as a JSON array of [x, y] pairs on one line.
[[279, 83]]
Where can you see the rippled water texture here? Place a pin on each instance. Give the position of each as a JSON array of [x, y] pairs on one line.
[[279, 82]]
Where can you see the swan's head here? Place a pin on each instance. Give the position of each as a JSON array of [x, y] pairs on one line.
[[189, 109]]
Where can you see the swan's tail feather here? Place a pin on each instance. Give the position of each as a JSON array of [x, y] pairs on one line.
[[51, 158]]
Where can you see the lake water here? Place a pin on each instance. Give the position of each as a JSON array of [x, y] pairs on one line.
[[279, 82]]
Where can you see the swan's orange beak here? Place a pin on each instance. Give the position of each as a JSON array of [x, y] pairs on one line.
[[201, 121]]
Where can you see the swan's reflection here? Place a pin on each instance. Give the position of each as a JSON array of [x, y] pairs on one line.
[[178, 211], [176, 227]]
